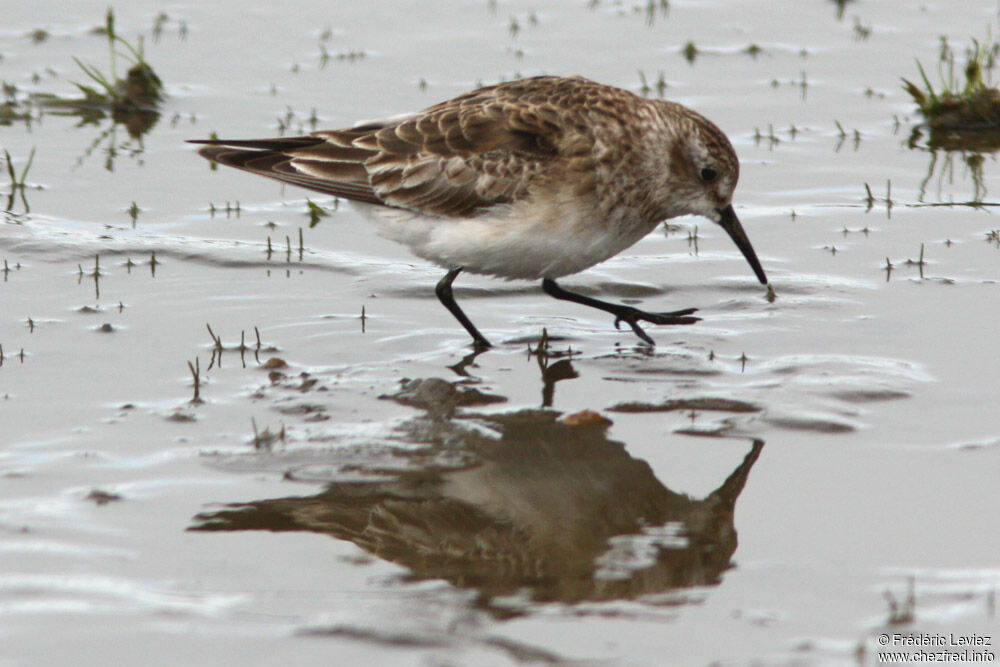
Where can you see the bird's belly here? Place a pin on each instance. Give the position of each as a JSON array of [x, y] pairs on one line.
[[510, 241]]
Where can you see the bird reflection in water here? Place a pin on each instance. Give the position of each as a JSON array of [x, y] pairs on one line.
[[526, 501]]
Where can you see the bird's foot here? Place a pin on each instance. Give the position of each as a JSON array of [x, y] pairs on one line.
[[632, 317]]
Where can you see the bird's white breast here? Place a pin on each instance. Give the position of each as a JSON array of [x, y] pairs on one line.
[[526, 240]]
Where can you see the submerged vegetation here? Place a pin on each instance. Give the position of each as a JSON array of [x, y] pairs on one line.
[[962, 114]]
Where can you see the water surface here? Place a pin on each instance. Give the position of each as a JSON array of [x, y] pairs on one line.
[[364, 490]]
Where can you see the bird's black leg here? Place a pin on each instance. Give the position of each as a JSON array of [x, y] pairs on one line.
[[444, 295], [622, 313]]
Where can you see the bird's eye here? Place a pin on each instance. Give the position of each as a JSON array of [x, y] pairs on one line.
[[708, 175]]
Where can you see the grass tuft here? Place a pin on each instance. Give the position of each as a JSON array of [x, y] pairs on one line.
[[961, 103], [132, 100]]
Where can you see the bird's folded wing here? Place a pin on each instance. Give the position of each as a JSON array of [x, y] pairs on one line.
[[453, 159]]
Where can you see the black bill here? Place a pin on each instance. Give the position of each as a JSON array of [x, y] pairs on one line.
[[732, 225]]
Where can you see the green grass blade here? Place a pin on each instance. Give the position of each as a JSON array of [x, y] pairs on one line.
[[27, 166], [10, 167], [99, 78], [927, 83]]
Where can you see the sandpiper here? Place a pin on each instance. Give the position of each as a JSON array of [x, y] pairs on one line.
[[532, 179]]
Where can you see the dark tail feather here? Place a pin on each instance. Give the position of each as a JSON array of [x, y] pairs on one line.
[[262, 162], [273, 158], [278, 144]]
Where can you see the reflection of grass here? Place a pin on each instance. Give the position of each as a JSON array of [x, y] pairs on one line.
[[196, 374], [315, 212], [17, 183], [646, 89], [840, 7], [955, 106], [972, 160], [690, 52], [266, 438], [11, 109], [905, 611]]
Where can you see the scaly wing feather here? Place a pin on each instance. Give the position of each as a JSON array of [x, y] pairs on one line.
[[483, 148]]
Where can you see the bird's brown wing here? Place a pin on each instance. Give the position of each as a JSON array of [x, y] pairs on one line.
[[456, 158], [342, 173]]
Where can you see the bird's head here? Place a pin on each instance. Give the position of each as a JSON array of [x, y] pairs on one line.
[[702, 172]]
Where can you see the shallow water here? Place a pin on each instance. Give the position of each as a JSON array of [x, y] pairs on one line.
[[747, 492]]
